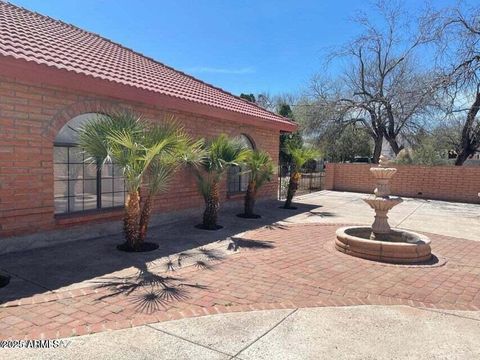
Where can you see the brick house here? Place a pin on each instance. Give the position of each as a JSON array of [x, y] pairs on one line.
[[53, 76]]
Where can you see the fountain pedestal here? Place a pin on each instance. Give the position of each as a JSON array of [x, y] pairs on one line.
[[379, 242], [381, 206]]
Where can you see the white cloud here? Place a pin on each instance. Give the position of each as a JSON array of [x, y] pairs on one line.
[[214, 70]]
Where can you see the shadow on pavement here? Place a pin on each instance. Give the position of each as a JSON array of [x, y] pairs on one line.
[[68, 265]]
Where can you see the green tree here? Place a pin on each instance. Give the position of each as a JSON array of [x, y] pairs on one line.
[[259, 165], [427, 151], [342, 146], [285, 110], [248, 97], [288, 139], [148, 156], [209, 166]]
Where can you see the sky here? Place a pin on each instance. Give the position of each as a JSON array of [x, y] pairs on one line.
[[249, 46]]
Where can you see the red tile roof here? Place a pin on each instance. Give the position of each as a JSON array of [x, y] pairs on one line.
[[37, 38]]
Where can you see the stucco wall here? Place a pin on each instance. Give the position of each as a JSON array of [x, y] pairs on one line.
[[450, 183], [31, 114]]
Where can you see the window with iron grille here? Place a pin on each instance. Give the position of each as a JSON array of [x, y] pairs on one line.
[[78, 185], [237, 180]]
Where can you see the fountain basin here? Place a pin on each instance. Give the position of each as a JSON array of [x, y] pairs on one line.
[[401, 246]]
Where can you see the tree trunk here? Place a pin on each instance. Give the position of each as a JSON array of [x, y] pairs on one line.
[[144, 219], [394, 145], [131, 218], [212, 203], [389, 132], [292, 188], [250, 198], [377, 151], [463, 155], [470, 140]]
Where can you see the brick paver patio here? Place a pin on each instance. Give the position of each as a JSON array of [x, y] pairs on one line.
[[281, 267]]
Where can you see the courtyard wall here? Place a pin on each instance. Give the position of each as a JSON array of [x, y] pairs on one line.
[[449, 183]]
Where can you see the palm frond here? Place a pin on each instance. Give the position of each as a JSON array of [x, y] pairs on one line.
[[300, 155], [160, 174], [211, 159], [143, 151], [260, 166], [223, 152]]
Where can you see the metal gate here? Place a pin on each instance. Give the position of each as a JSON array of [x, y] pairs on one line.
[[312, 179]]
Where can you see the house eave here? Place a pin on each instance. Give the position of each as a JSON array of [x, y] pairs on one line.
[[48, 75]]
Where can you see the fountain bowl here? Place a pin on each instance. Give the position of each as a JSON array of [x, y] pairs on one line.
[[382, 204], [382, 172], [397, 247]]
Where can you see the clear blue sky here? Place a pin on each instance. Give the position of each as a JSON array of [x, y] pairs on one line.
[[241, 46]]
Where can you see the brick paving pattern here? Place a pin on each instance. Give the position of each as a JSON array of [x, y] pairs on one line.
[[278, 267]]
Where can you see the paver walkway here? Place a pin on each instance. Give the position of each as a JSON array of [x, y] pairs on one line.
[[282, 266]]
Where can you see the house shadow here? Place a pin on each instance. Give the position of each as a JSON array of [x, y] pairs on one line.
[[96, 261]]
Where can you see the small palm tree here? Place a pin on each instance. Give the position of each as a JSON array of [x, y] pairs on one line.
[[210, 167], [147, 154], [299, 155], [260, 170]]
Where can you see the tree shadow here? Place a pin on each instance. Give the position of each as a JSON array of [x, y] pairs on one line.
[[203, 265], [199, 258], [82, 262], [276, 226], [147, 291], [321, 214], [238, 243]]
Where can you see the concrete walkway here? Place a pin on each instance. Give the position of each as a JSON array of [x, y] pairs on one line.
[[368, 332], [437, 217]]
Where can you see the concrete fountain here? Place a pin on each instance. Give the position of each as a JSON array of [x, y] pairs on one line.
[[380, 242]]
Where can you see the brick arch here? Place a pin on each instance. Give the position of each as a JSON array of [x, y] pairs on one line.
[[244, 131], [250, 138], [67, 113]]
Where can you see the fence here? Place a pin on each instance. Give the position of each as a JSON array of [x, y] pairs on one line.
[[310, 181]]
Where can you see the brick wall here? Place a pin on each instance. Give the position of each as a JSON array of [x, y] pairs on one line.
[[31, 114], [450, 183]]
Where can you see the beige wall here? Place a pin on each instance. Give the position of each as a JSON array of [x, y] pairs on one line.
[[450, 183]]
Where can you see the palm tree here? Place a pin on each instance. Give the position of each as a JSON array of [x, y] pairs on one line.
[[299, 155], [147, 154], [212, 162], [260, 169]]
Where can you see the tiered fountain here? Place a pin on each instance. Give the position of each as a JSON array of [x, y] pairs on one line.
[[379, 242]]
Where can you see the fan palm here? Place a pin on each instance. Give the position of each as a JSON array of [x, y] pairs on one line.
[[212, 163], [259, 166], [148, 156], [299, 156]]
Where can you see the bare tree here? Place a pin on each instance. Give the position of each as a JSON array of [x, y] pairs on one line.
[[264, 100], [457, 32], [331, 110], [382, 85]]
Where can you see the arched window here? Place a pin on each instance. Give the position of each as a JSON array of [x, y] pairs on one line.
[[236, 181], [80, 186]]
